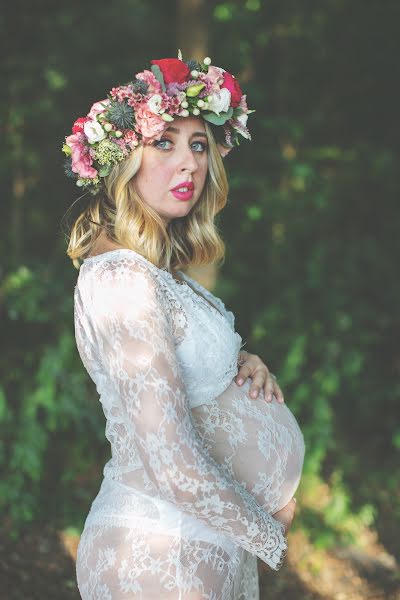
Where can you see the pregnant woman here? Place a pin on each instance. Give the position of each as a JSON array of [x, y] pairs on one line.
[[201, 476]]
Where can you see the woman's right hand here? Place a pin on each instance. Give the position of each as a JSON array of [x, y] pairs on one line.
[[286, 514]]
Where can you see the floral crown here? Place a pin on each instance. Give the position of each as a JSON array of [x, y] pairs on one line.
[[139, 110]]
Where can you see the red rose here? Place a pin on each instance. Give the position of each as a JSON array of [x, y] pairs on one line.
[[173, 70], [78, 125], [232, 85]]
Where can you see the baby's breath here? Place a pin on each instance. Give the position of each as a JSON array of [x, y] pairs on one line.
[[108, 153]]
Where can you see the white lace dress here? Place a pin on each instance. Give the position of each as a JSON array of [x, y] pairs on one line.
[[197, 467]]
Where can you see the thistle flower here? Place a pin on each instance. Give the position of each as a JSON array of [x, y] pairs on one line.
[[140, 87], [121, 115], [193, 65], [67, 164]]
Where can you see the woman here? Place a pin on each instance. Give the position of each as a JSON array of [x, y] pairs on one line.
[[197, 468]]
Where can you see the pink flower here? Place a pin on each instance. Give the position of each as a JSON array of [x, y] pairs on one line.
[[81, 159], [149, 78], [174, 104], [214, 76], [243, 103], [121, 93], [130, 138], [98, 108], [148, 123]]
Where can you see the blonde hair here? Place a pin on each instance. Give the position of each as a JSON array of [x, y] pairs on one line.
[[130, 222]]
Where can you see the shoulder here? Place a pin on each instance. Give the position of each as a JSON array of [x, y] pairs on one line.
[[121, 279], [118, 267]]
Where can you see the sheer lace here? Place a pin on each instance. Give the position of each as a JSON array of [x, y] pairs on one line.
[[174, 501]]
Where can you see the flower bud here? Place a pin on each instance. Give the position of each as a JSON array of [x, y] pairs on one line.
[[184, 104], [200, 103], [185, 113], [205, 105], [107, 126], [166, 117], [79, 182], [196, 111], [207, 61], [194, 74], [118, 134], [67, 150], [194, 90]]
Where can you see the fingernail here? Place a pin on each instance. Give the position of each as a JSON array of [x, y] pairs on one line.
[[254, 394], [240, 381], [269, 397]]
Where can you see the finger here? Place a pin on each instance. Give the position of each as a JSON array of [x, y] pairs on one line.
[[243, 374], [278, 393], [269, 388], [258, 382]]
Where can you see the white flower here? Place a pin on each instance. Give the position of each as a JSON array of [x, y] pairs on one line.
[[154, 103], [94, 131], [242, 119], [219, 101]]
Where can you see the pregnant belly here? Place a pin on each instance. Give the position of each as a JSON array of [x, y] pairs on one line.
[[257, 443]]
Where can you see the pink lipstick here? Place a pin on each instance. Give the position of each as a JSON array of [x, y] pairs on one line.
[[183, 191]]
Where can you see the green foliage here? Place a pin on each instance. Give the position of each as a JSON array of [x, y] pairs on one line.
[[45, 401]]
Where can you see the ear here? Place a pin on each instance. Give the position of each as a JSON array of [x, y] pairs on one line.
[[223, 150]]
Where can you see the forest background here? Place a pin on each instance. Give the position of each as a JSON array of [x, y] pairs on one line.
[[311, 272]]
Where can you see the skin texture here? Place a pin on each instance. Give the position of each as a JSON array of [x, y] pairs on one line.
[[177, 155]]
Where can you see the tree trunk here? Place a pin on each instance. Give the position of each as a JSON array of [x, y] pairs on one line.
[[193, 39]]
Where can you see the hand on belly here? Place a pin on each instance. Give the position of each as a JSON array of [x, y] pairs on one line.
[[257, 443]]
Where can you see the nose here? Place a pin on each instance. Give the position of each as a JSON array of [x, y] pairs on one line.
[[187, 160]]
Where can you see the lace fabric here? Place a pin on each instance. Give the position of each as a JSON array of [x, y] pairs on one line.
[[178, 510]]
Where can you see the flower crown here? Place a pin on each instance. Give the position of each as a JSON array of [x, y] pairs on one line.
[[139, 110]]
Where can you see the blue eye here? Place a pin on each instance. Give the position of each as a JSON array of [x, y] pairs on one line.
[[203, 146], [158, 144]]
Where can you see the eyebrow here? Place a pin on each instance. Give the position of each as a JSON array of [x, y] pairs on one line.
[[175, 130]]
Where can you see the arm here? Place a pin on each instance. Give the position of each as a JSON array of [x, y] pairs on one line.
[[138, 354]]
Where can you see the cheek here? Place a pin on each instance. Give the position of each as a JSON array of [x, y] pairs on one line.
[[152, 177]]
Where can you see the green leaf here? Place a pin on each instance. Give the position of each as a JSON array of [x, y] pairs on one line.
[[220, 119], [159, 76], [104, 170]]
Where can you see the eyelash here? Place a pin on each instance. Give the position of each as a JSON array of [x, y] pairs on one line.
[[157, 142]]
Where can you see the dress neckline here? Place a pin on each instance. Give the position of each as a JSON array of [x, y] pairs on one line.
[[184, 283]]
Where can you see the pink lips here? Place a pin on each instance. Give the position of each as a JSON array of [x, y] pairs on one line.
[[183, 195]]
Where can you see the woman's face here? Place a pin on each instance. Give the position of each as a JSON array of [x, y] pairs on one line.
[[176, 158]]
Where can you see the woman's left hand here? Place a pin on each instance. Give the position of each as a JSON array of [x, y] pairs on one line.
[[251, 365]]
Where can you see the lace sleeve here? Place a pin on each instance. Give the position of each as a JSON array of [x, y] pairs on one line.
[[138, 355]]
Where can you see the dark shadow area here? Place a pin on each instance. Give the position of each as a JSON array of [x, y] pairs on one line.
[[36, 566], [284, 584]]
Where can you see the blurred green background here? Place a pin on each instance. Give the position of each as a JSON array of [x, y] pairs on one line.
[[311, 272]]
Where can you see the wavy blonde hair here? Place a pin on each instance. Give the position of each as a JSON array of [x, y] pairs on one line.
[[130, 222]]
